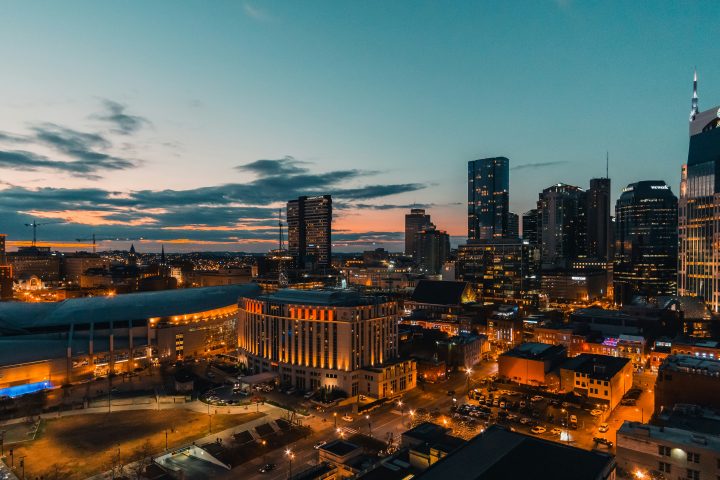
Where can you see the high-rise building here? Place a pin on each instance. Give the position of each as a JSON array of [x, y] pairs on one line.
[[496, 268], [309, 221], [513, 230], [562, 225], [645, 241], [698, 222], [415, 221], [488, 198], [598, 219], [530, 227], [432, 249], [3, 257]]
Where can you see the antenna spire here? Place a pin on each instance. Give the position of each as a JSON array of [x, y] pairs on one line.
[[694, 107], [607, 164]]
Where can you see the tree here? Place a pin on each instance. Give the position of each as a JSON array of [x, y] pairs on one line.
[[142, 459]]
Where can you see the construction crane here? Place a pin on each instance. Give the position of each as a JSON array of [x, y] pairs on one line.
[[97, 238], [34, 226]]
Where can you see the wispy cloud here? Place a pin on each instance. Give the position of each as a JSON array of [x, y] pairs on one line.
[[77, 152], [256, 13], [123, 123], [528, 166]]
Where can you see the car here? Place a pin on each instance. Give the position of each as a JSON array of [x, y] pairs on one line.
[[502, 404], [522, 404], [290, 391], [450, 393], [308, 395], [538, 430], [565, 404], [347, 418], [556, 431], [511, 416], [536, 398], [603, 441], [628, 402], [604, 427], [596, 412], [268, 467], [573, 421], [525, 420], [495, 403], [319, 444]]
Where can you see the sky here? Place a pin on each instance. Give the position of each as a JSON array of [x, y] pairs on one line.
[[189, 123]]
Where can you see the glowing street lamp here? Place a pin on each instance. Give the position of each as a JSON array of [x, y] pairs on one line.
[[468, 372], [290, 456]]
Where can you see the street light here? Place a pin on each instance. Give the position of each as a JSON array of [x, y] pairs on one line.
[[264, 444], [367, 417], [335, 415], [469, 372], [290, 456]]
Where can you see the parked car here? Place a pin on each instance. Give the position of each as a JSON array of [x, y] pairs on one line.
[[596, 412], [538, 430], [347, 418], [604, 427], [525, 420], [573, 422], [319, 445], [536, 398], [603, 441], [556, 431]]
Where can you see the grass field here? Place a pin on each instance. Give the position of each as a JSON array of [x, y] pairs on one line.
[[76, 447]]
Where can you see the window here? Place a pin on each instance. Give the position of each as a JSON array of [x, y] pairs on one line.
[[693, 474], [693, 457], [663, 450], [664, 467]]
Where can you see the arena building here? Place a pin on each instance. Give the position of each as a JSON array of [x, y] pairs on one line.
[[63, 342], [326, 338]]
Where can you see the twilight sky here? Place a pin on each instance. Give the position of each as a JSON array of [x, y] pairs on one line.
[[190, 122]]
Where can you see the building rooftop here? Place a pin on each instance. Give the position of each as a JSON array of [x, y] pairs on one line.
[[438, 292], [325, 297], [534, 351], [18, 318], [691, 364], [602, 367], [674, 435], [339, 447], [499, 453]]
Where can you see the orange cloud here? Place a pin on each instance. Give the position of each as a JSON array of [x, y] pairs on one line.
[[91, 217]]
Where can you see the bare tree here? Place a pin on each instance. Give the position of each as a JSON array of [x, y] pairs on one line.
[[142, 459]]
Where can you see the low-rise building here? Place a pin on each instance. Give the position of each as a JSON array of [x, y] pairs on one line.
[[574, 285], [530, 363], [463, 351], [687, 379], [499, 453], [601, 378], [649, 451]]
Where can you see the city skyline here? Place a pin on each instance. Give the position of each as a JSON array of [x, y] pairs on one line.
[[196, 142]]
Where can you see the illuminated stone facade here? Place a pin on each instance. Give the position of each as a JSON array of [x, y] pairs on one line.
[[325, 338]]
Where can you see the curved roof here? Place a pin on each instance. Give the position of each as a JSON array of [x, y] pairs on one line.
[[15, 317]]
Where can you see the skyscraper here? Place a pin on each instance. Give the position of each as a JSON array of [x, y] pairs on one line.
[[562, 225], [698, 221], [645, 241], [415, 221], [488, 198], [3, 257], [513, 230], [432, 249], [530, 227], [598, 219], [309, 221]]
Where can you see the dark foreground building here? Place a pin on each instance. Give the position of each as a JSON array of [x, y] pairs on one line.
[[499, 454]]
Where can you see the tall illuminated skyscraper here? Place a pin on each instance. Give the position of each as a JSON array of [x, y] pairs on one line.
[[415, 221], [309, 223], [488, 198], [645, 241], [699, 208]]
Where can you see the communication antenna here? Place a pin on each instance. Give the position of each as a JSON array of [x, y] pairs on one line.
[[607, 164]]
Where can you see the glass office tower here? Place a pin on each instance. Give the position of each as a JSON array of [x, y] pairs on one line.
[[488, 198]]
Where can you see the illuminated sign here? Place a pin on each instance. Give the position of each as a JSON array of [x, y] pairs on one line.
[[579, 279], [659, 187], [610, 342]]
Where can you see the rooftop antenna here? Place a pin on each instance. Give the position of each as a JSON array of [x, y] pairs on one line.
[[607, 164]]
